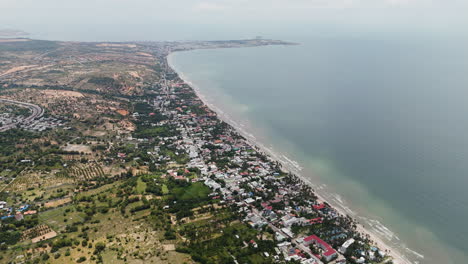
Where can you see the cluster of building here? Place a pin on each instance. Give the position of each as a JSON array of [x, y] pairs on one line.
[[18, 213], [42, 124], [34, 121], [243, 177], [8, 121]]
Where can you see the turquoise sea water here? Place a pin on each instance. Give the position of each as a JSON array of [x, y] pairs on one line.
[[381, 121]]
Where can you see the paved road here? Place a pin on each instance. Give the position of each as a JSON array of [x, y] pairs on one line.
[[36, 112]]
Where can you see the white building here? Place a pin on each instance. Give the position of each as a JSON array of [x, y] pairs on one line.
[[345, 245]]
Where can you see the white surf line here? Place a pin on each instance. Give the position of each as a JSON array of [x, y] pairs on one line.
[[293, 167]]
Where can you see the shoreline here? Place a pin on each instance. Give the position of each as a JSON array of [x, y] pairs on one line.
[[290, 166]]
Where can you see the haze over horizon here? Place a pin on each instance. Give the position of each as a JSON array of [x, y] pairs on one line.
[[197, 19]]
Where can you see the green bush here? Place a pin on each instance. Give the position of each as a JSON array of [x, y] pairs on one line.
[[100, 246]]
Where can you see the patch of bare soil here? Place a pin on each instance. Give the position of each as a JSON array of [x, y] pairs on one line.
[[62, 93]]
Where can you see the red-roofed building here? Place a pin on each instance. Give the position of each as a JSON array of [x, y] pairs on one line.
[[181, 177], [30, 212], [317, 220], [328, 252], [319, 207]]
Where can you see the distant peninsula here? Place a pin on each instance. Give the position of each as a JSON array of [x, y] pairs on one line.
[[12, 33]]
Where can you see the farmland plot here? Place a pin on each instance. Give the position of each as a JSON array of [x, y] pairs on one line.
[[84, 172], [37, 179]]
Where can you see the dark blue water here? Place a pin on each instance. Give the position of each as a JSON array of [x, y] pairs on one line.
[[383, 121]]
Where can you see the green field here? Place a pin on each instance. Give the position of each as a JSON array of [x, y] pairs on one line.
[[141, 186], [165, 190], [196, 191]]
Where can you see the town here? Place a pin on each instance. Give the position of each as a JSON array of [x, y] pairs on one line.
[[133, 147]]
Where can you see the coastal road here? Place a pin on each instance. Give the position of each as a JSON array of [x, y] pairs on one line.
[[36, 112]]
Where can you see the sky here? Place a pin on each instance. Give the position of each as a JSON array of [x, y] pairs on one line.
[[258, 15]]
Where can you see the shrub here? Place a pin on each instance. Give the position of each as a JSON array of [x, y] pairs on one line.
[[100, 246]]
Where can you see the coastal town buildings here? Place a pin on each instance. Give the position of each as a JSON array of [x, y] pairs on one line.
[[254, 183], [166, 128]]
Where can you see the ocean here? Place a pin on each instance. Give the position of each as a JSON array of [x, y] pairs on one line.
[[377, 122]]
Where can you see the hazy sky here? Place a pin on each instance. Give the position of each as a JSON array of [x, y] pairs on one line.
[[51, 15]]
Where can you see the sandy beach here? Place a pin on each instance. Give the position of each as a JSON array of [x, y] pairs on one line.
[[291, 166]]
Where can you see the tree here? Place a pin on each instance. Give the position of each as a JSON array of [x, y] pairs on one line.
[[100, 246], [81, 259]]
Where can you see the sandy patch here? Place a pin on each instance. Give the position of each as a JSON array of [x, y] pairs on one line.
[[77, 147], [57, 202], [39, 249], [13, 40], [122, 112], [127, 125], [169, 247], [98, 133], [17, 69], [46, 236], [144, 54], [62, 93]]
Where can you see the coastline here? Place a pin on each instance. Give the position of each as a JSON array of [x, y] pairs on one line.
[[290, 166]]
